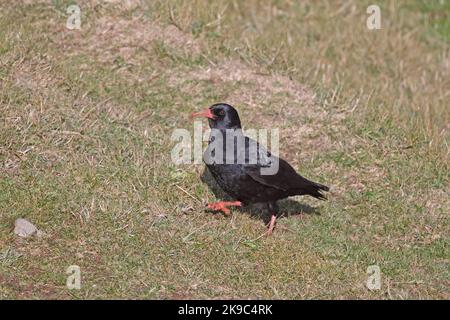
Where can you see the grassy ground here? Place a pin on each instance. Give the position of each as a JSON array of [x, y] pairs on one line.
[[86, 119]]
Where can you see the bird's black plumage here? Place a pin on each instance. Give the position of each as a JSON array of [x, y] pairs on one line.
[[245, 181]]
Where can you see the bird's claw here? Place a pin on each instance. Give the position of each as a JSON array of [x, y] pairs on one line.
[[223, 206]]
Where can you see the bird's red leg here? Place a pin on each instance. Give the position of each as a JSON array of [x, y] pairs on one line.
[[223, 206], [271, 224]]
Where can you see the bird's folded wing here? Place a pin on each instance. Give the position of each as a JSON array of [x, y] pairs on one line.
[[285, 178], [281, 174]]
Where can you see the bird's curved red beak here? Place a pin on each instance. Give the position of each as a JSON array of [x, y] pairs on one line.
[[205, 113]]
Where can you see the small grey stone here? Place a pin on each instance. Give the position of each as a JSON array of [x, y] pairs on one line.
[[24, 228]]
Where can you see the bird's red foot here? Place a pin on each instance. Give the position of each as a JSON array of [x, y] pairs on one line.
[[271, 224], [223, 206]]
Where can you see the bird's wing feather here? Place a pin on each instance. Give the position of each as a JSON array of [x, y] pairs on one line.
[[285, 178]]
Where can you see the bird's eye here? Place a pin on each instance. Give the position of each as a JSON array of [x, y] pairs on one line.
[[222, 112]]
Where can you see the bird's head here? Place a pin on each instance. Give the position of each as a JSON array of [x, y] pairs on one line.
[[220, 116]]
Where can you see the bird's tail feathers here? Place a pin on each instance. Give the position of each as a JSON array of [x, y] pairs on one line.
[[315, 190]]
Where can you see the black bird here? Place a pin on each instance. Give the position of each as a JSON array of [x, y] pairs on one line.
[[246, 180]]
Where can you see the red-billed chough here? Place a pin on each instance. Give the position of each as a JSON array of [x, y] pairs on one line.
[[248, 172]]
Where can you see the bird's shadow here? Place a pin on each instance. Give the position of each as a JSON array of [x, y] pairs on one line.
[[287, 207]]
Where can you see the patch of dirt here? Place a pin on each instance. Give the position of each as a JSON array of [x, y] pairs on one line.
[[253, 89], [27, 289], [436, 200], [28, 2], [127, 4], [108, 38], [264, 85], [300, 119], [34, 75]]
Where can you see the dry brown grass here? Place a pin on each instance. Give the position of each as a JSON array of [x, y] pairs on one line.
[[86, 118]]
